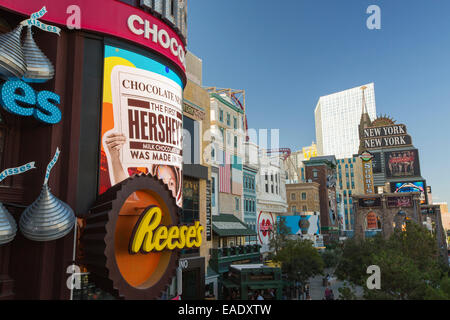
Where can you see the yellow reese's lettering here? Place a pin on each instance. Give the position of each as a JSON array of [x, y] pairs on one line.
[[150, 236]]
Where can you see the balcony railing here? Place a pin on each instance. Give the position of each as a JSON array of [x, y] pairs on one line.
[[222, 258]]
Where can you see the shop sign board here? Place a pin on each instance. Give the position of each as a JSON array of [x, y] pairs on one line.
[[208, 212], [399, 202], [366, 158], [114, 18], [394, 135], [141, 239], [19, 98], [369, 202], [265, 226]]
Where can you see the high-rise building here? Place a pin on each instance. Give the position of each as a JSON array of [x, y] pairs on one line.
[[349, 181], [337, 117]]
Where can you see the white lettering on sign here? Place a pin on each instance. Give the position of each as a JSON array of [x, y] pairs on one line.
[[393, 130], [139, 26], [184, 264]]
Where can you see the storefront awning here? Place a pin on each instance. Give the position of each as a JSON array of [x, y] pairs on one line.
[[211, 274], [229, 284], [227, 225]]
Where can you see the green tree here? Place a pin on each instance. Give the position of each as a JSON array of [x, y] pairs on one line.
[[408, 260], [299, 260], [279, 236]]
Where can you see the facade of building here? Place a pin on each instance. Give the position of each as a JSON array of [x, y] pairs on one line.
[[109, 168], [294, 163], [294, 167], [322, 170], [303, 198], [270, 195], [233, 189], [196, 180], [394, 161], [349, 182], [337, 117], [228, 135], [250, 196]]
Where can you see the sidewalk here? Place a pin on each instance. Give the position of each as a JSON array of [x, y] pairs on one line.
[[317, 290]]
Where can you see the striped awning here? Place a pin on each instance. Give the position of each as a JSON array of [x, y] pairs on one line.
[[228, 225]]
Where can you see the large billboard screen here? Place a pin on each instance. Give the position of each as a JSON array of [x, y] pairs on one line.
[[303, 225], [402, 163], [142, 121], [416, 186]]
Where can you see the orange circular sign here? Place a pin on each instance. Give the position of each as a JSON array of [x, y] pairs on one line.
[[111, 228]]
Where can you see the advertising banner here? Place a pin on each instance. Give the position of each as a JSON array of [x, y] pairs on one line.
[[399, 202], [307, 224], [416, 186], [141, 121], [402, 163], [372, 220]]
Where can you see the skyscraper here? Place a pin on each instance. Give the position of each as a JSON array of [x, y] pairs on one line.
[[337, 117]]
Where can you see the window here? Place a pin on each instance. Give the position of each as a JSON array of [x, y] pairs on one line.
[[235, 122], [271, 177], [213, 153], [235, 142], [191, 140], [228, 119], [237, 203], [172, 8], [315, 173], [213, 191], [303, 195], [305, 208], [221, 115], [294, 209], [292, 196], [272, 188]]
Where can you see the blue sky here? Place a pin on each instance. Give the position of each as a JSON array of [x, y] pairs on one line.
[[288, 53]]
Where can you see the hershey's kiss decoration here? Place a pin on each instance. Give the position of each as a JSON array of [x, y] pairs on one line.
[[47, 218], [12, 61], [39, 67], [8, 226]]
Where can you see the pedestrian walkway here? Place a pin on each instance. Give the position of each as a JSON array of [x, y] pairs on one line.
[[317, 290]]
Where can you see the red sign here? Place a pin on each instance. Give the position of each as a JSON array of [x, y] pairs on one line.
[[113, 18], [265, 226]]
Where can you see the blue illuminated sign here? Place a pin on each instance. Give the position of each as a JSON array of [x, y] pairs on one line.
[[19, 98]]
